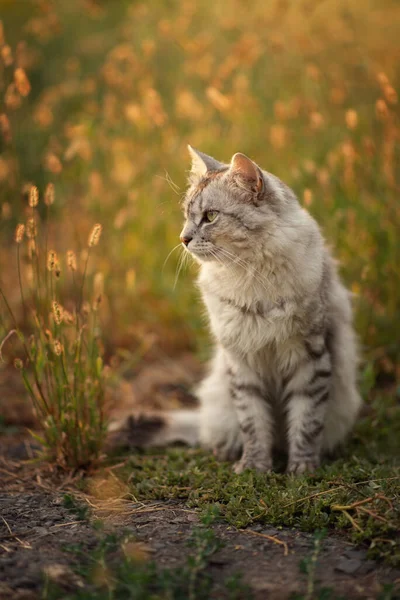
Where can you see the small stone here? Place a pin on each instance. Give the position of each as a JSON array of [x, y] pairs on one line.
[[348, 565], [367, 566]]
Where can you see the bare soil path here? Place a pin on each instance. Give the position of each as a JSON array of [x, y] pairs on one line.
[[38, 531]]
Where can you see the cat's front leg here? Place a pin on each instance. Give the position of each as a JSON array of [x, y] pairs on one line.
[[305, 401], [255, 419]]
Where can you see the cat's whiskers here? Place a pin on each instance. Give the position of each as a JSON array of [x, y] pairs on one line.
[[169, 254], [183, 260], [218, 258]]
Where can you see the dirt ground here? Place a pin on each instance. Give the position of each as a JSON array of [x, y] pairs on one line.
[[36, 528]]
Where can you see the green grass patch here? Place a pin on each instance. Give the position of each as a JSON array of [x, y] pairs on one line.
[[357, 494]]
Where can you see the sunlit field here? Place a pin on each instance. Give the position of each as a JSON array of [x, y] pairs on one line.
[[99, 100], [99, 309]]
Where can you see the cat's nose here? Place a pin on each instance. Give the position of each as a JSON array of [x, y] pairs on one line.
[[185, 239]]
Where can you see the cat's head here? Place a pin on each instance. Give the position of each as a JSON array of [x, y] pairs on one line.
[[235, 210]]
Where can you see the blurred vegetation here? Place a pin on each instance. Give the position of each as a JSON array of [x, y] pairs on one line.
[[101, 98]]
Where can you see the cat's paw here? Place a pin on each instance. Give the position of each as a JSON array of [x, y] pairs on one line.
[[302, 465], [263, 466]]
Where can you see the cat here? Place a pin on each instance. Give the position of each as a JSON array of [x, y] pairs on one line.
[[285, 362]]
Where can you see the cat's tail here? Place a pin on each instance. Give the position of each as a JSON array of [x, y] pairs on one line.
[[155, 429]]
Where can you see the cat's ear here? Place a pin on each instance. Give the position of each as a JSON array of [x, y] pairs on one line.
[[201, 163], [248, 172]]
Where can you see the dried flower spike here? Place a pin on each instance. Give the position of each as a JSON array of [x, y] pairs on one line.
[[52, 260], [22, 82], [19, 233], [94, 236], [31, 230], [49, 195], [58, 347], [6, 55], [351, 118], [71, 260], [57, 312], [381, 109], [33, 196]]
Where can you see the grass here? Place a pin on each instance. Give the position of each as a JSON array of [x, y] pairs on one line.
[[59, 355], [357, 495]]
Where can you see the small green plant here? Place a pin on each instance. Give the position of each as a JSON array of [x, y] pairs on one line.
[[81, 510], [61, 363], [204, 544], [308, 566]]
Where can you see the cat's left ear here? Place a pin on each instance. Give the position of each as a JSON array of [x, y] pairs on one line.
[[248, 172]]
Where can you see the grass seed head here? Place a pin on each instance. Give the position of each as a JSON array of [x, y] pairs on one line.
[[71, 260], [49, 195], [57, 312], [381, 109], [58, 347], [33, 196], [22, 82], [6, 55], [52, 260], [48, 334], [19, 233], [31, 229], [390, 94], [95, 234], [351, 118]]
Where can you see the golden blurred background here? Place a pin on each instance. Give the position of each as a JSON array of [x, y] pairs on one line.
[[101, 99]]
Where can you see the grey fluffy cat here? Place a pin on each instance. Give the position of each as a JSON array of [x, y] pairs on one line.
[[285, 362], [284, 370]]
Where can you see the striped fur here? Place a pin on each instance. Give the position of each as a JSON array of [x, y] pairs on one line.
[[284, 370]]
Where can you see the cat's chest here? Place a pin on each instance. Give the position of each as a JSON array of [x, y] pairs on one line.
[[248, 324]]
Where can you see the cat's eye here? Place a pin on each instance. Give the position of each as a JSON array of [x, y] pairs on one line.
[[210, 215]]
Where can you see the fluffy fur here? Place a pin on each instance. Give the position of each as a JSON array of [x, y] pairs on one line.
[[284, 369]]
